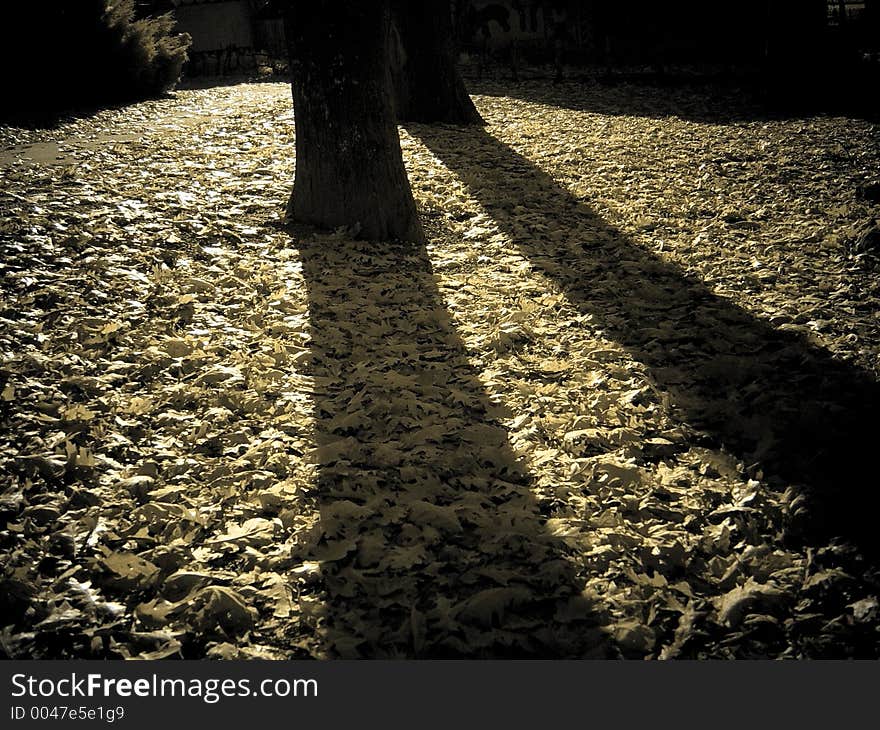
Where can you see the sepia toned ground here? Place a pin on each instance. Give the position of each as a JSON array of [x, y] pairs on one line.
[[622, 405]]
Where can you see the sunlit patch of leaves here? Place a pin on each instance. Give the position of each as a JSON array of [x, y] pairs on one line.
[[187, 468]]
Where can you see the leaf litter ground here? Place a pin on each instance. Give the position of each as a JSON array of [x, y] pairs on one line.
[[590, 419]]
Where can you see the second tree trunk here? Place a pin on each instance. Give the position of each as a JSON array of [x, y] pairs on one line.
[[428, 87], [349, 167]]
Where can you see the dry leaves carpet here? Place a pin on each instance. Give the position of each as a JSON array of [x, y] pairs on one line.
[[618, 407]]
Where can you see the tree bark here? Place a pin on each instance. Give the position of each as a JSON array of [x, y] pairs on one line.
[[349, 167], [428, 87]]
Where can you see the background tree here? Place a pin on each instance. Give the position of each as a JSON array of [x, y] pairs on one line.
[[349, 167], [428, 87]]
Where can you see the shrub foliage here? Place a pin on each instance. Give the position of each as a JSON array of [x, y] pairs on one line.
[[89, 52]]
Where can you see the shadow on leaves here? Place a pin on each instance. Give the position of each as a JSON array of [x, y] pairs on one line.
[[434, 544], [706, 101], [782, 405]]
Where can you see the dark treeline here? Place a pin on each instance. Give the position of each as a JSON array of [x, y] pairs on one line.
[[61, 54], [795, 50], [646, 31], [651, 31]]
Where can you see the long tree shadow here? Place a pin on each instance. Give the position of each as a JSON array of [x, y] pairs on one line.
[[782, 405], [707, 102], [433, 542]]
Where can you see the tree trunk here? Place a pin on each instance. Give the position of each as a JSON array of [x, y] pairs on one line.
[[428, 87], [349, 167]]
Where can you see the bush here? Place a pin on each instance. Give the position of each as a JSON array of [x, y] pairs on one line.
[[147, 56], [68, 53]]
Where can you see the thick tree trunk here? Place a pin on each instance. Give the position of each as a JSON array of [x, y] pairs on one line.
[[349, 168], [428, 87]]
